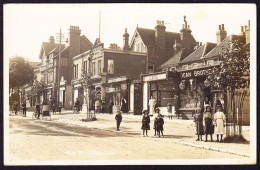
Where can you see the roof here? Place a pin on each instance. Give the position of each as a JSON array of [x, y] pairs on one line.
[[224, 44], [200, 52], [47, 47], [56, 49], [177, 58], [148, 37], [84, 37]]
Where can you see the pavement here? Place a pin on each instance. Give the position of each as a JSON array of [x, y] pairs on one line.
[[175, 130]]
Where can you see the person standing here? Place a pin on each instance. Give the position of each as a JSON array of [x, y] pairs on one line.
[[169, 110], [208, 121], [219, 119], [103, 107], [110, 106], [97, 106], [145, 122], [157, 112], [152, 103], [198, 119], [124, 105], [15, 107], [159, 126], [24, 109], [118, 118]]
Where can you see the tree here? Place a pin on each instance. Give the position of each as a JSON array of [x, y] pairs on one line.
[[20, 72], [233, 75], [38, 89]]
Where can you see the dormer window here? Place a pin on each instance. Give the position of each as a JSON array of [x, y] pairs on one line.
[[210, 62], [165, 69], [172, 68], [195, 65], [185, 67]]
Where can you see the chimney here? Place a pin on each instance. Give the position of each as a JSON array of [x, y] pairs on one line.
[[221, 34], [74, 40], [126, 40], [160, 34], [247, 32], [52, 41], [186, 35]]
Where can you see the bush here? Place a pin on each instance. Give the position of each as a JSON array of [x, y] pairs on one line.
[[235, 139]]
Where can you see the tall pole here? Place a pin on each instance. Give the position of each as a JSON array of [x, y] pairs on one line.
[[99, 24], [58, 90]]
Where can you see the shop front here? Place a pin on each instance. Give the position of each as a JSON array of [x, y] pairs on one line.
[[195, 90], [118, 90], [159, 87]]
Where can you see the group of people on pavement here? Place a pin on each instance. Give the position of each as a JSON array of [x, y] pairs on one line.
[[208, 123]]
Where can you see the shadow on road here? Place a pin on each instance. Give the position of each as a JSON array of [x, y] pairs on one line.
[[49, 128]]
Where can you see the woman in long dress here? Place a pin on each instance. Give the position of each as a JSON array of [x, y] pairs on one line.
[[219, 119], [145, 122], [152, 105]]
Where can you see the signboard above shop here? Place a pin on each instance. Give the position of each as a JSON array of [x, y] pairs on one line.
[[196, 73], [117, 79], [162, 76]]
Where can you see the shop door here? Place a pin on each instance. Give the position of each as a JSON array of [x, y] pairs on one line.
[[138, 99]]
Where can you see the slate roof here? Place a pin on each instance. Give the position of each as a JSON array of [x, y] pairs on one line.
[[47, 47], [200, 52], [148, 37], [224, 44], [177, 58], [56, 49]]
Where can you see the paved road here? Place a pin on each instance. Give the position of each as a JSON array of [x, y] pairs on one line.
[[32, 139]]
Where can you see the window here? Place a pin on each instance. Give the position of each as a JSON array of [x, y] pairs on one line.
[[172, 68], [210, 62], [166, 69], [93, 68], [85, 65], [195, 65], [110, 66], [75, 71], [99, 66], [185, 67], [150, 68]]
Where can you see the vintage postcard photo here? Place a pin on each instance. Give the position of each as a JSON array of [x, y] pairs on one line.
[[129, 84]]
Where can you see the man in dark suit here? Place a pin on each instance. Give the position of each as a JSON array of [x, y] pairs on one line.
[[118, 119]]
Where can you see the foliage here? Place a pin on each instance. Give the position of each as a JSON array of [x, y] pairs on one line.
[[234, 68], [20, 72], [38, 89]]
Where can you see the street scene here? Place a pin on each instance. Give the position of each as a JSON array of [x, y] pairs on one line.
[[167, 85]]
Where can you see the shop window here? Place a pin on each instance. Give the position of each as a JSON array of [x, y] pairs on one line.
[[110, 66]]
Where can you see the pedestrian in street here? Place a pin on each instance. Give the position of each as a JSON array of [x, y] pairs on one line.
[[118, 119], [38, 110], [24, 109], [198, 119], [219, 120], [124, 105], [208, 121], [145, 122], [15, 107], [77, 105], [169, 110], [110, 106], [157, 112], [152, 103], [159, 124], [103, 107], [97, 106], [53, 106]]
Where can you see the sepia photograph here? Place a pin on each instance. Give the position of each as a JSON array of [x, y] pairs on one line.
[[129, 84]]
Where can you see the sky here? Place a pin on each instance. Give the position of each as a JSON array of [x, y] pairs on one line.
[[26, 26]]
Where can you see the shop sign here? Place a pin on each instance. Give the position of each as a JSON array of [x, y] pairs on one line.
[[162, 76], [117, 79], [196, 73]]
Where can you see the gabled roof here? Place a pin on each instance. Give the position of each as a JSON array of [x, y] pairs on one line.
[[85, 38], [97, 42], [47, 47], [200, 52], [148, 37], [224, 44], [177, 58], [56, 49]]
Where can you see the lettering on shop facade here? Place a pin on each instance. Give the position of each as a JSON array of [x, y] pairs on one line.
[[196, 73], [155, 77]]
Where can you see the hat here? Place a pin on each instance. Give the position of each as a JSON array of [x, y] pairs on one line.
[[198, 109], [157, 108], [207, 105], [218, 103], [145, 111]]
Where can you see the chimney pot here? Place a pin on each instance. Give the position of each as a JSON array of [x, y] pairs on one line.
[[242, 29], [219, 27], [162, 23], [200, 43], [223, 27], [248, 23]]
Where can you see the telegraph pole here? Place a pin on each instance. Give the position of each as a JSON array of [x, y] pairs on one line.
[[59, 37]]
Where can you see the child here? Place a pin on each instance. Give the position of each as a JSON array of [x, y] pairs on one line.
[[219, 118], [207, 118], [157, 112], [145, 122], [198, 119], [159, 125]]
